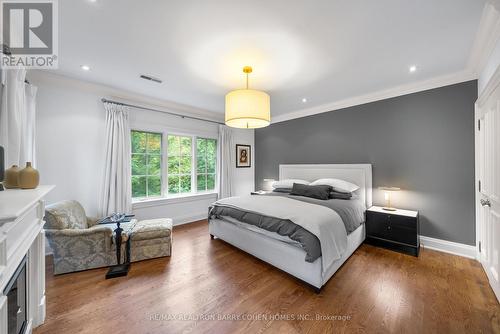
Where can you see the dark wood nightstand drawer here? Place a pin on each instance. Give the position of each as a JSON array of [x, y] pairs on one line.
[[393, 229]]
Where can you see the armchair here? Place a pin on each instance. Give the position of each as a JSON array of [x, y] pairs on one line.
[[77, 242]]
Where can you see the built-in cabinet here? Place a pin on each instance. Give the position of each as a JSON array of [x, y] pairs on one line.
[[22, 246]]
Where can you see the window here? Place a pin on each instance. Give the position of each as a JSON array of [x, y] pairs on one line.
[[206, 155], [180, 158], [166, 164], [146, 164]]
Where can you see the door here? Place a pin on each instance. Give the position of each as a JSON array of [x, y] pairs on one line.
[[488, 181]]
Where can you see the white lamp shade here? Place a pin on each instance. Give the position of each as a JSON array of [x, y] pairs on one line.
[[248, 109]]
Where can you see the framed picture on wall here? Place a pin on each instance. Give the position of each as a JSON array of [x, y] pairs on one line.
[[243, 156]]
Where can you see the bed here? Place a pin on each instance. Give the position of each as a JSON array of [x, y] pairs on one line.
[[286, 256]]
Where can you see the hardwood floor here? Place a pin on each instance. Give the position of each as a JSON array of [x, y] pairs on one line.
[[376, 291]]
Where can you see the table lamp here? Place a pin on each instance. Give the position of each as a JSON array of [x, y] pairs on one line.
[[267, 185], [387, 196]]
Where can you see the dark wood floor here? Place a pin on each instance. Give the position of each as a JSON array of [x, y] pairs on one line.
[[376, 291]]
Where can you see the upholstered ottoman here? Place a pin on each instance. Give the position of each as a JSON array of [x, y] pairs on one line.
[[151, 238]]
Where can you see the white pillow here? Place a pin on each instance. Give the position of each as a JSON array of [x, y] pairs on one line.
[[337, 185], [287, 183]]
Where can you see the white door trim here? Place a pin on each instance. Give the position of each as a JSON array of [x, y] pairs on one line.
[[490, 87], [487, 219]]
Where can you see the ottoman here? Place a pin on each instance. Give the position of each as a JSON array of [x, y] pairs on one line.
[[151, 238]]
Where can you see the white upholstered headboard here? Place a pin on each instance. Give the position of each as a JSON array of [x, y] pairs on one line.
[[359, 174]]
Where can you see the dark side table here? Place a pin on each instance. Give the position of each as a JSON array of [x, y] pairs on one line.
[[397, 230], [120, 269]]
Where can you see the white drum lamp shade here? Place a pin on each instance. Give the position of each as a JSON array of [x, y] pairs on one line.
[[248, 108]]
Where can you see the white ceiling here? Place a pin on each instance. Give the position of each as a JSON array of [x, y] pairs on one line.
[[322, 50]]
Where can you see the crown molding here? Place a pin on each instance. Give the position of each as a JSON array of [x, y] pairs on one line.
[[40, 76], [405, 89], [487, 36]]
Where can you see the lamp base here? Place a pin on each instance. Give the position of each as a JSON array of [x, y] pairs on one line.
[[388, 209]]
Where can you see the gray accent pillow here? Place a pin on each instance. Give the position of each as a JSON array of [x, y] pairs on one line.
[[282, 190], [318, 192], [340, 195]]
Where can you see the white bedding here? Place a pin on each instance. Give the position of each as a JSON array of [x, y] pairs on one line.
[[323, 222]]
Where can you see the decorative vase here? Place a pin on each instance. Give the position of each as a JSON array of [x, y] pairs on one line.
[[28, 177], [11, 177]]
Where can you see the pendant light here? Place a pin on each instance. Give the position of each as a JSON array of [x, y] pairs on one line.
[[248, 108]]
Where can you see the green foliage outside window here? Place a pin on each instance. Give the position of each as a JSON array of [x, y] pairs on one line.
[[179, 164], [206, 161], [146, 164]]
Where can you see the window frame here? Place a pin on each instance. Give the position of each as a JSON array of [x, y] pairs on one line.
[[165, 132]]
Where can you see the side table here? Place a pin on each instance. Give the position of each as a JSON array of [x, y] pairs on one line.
[[120, 269]]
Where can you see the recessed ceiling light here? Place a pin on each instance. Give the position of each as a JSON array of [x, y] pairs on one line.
[[413, 68], [304, 100], [85, 67]]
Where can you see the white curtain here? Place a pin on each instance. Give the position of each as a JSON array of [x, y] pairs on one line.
[[28, 148], [17, 118], [116, 196], [227, 161]]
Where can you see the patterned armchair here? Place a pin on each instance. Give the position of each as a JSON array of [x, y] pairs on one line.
[[78, 243]]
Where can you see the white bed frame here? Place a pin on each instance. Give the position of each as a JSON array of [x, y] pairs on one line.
[[291, 258]]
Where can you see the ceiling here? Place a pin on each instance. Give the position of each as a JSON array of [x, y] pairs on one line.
[[322, 50]]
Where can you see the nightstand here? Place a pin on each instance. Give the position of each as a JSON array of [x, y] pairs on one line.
[[397, 230]]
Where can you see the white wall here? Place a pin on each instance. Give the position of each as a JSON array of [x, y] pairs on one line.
[[70, 137]]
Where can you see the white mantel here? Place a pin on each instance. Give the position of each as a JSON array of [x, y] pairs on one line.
[[21, 233]]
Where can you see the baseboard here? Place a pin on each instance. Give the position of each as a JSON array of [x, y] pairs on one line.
[[450, 247], [189, 218]]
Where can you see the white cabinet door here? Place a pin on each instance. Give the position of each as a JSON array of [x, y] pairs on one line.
[[488, 184]]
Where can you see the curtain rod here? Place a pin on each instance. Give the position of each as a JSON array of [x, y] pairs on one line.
[[162, 111]]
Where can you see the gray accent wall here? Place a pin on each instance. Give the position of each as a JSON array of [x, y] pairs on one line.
[[421, 142]]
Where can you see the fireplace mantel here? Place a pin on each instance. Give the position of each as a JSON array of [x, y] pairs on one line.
[[21, 234]]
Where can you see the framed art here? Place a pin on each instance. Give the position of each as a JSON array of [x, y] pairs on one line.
[[243, 156]]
